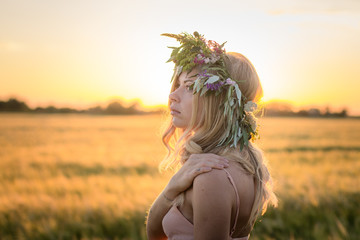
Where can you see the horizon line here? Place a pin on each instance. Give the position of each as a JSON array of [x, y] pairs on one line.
[[139, 102]]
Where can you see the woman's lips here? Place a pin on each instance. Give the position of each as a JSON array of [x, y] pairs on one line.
[[174, 112]]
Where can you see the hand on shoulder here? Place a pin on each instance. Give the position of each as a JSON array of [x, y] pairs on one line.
[[196, 165]]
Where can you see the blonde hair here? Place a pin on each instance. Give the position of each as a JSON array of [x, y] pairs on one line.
[[206, 129]]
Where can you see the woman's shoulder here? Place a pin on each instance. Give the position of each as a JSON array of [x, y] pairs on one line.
[[220, 176], [212, 195], [224, 181], [211, 184], [215, 176]]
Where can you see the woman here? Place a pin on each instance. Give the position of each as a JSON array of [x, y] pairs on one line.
[[222, 184]]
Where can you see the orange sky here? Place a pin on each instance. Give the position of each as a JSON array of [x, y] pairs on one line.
[[80, 53]]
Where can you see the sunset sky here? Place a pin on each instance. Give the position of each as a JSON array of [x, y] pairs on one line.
[[82, 53]]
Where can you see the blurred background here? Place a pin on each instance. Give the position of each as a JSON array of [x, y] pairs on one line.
[[83, 93]]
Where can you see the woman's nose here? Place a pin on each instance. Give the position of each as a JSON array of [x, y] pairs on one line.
[[173, 97]]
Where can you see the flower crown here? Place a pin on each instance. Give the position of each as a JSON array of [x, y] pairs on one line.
[[195, 51]]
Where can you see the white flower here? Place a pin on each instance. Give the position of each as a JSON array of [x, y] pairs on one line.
[[250, 106], [252, 120], [206, 60], [214, 58]]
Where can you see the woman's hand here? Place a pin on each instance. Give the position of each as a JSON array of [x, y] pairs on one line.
[[195, 165], [182, 180]]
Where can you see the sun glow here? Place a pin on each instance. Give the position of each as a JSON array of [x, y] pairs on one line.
[[303, 55]]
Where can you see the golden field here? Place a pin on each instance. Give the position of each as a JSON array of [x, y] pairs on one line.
[[73, 176]]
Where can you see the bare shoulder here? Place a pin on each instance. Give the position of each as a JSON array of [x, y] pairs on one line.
[[211, 179], [213, 185], [214, 201], [212, 204], [218, 178]]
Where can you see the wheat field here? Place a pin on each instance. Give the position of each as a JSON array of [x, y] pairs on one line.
[[73, 176]]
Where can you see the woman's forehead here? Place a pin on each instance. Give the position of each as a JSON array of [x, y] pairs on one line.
[[188, 76]]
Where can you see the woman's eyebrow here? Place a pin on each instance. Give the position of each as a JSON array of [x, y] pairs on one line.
[[188, 81], [185, 81]]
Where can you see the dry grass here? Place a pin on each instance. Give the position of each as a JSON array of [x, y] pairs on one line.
[[79, 176]]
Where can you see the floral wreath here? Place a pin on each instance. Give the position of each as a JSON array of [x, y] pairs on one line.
[[194, 51]]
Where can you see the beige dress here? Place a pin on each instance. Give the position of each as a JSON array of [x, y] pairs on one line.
[[177, 227]]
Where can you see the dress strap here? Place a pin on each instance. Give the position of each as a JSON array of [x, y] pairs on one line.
[[237, 201]]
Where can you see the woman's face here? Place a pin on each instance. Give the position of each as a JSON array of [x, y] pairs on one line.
[[181, 100]]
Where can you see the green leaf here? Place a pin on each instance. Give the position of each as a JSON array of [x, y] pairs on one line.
[[229, 91], [232, 101], [217, 69], [230, 138], [196, 83], [227, 132], [176, 36], [222, 45], [203, 91], [199, 86], [238, 93], [212, 79], [245, 136], [231, 113], [195, 49], [241, 145], [235, 138], [239, 133]]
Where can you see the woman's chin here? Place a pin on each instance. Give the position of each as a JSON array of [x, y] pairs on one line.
[[177, 123]]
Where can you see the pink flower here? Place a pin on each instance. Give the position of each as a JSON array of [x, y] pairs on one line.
[[230, 82], [199, 59]]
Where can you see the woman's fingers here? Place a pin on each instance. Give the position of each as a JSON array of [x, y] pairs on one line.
[[195, 165], [220, 165], [205, 162], [217, 161], [207, 168], [211, 165], [200, 170], [207, 157]]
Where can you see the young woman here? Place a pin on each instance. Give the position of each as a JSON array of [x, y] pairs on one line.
[[222, 183]]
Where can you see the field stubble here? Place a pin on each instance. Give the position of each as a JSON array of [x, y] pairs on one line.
[[94, 177]]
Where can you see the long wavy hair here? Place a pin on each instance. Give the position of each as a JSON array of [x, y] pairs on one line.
[[206, 129]]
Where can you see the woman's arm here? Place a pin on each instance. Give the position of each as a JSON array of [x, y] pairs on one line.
[[156, 213], [182, 180], [212, 201]]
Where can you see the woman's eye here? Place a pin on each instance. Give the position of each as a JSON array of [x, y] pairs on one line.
[[189, 87]]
